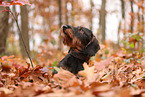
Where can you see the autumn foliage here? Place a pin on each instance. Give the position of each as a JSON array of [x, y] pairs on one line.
[[110, 73], [119, 74], [14, 2]]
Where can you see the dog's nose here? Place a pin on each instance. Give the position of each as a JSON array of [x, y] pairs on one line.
[[64, 26]]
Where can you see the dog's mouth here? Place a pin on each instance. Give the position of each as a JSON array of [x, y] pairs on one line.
[[67, 34], [67, 30]]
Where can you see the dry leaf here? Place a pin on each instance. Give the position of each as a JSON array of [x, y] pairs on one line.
[[65, 78], [88, 73], [5, 90], [104, 63]]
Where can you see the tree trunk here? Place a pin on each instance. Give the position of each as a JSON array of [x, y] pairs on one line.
[[24, 30], [132, 16], [4, 28], [123, 8], [60, 23], [123, 17], [66, 12], [99, 36], [103, 21], [91, 17], [60, 18], [143, 26], [119, 28], [72, 13], [139, 26]]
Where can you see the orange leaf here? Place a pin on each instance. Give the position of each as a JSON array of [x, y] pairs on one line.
[[21, 2], [87, 73], [104, 63], [131, 14], [65, 78], [98, 59], [7, 57], [12, 56], [1, 61], [4, 57], [139, 4], [17, 4], [6, 68]]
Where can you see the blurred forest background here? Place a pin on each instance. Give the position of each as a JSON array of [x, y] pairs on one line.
[[115, 23]]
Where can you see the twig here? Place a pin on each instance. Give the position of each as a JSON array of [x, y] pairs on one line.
[[21, 37]]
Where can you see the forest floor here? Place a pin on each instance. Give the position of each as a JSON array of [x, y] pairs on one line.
[[110, 74]]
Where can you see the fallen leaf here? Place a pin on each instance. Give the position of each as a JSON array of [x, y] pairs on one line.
[[6, 68], [5, 90], [65, 78], [88, 73], [104, 63]]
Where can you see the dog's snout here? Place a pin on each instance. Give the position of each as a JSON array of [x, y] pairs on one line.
[[65, 27]]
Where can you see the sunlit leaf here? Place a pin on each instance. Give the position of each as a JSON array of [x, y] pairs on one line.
[[57, 69], [5, 90], [131, 45], [88, 72], [1, 61], [65, 78], [54, 63]]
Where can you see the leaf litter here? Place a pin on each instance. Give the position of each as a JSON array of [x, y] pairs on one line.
[[117, 75]]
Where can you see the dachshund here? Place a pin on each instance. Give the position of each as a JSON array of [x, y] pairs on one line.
[[83, 45]]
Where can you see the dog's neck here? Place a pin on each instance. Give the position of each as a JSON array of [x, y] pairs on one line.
[[79, 49], [80, 53], [93, 38]]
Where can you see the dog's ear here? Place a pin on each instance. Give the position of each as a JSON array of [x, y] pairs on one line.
[[93, 47]]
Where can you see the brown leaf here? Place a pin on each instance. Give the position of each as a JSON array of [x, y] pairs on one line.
[[1, 1], [104, 63], [125, 92], [65, 78], [24, 92], [88, 73], [6, 68], [103, 88], [141, 83], [5, 90], [115, 82]]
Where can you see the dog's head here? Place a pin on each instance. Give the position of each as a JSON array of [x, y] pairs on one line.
[[80, 39]]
